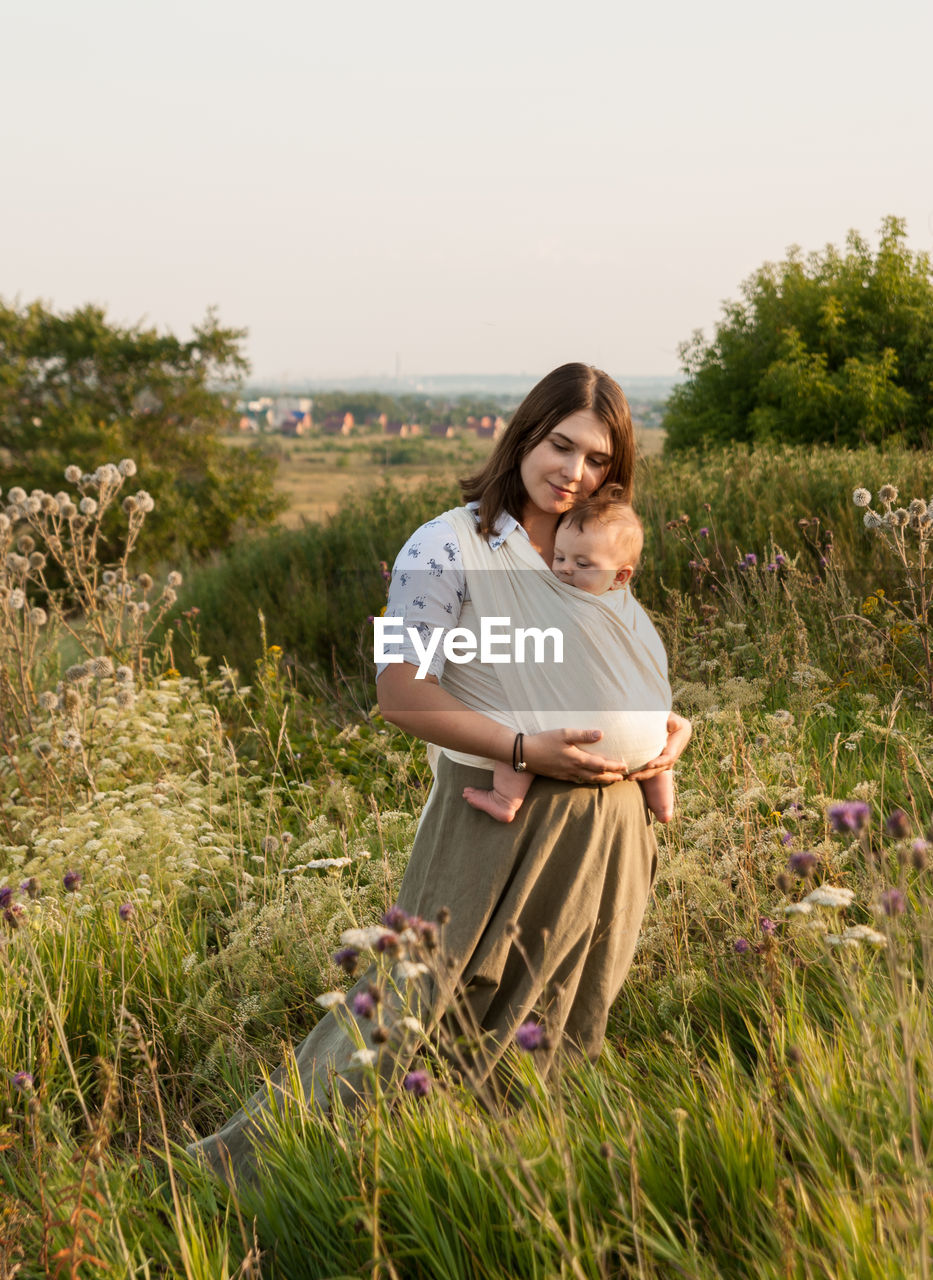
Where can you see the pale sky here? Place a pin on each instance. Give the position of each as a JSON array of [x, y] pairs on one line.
[[492, 187]]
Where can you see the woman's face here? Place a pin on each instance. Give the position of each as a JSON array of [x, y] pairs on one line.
[[567, 465]]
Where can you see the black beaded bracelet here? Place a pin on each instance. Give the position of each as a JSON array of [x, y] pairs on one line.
[[518, 763]]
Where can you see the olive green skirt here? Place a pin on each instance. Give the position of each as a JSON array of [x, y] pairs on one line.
[[544, 917]]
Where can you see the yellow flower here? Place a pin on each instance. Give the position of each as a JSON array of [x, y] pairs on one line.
[[274, 650], [173, 674]]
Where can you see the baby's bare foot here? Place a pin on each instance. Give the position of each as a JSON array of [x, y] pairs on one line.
[[490, 802]]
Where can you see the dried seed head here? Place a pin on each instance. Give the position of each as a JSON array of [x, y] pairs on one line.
[[127, 467], [125, 698], [73, 474], [26, 544], [38, 617], [16, 496], [887, 493], [861, 497], [87, 506], [49, 505], [130, 504], [48, 700], [71, 701], [145, 582], [174, 579], [101, 667], [37, 561], [68, 510]]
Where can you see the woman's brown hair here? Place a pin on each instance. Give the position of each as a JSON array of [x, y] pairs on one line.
[[498, 485]]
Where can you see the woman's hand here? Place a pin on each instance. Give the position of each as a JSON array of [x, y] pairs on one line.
[[554, 754], [679, 732]]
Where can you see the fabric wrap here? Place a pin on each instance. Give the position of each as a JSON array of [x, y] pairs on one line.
[[613, 675]]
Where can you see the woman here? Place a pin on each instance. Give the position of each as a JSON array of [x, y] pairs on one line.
[[543, 913]]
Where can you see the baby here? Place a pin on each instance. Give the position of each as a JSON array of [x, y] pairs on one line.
[[596, 549]]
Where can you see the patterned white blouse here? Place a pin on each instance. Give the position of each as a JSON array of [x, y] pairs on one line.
[[428, 585]]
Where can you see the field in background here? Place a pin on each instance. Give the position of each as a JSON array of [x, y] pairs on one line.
[[317, 473]]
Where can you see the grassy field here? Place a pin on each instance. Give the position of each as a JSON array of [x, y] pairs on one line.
[[180, 853], [317, 475]]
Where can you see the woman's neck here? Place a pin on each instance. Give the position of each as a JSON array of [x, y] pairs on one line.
[[541, 527]]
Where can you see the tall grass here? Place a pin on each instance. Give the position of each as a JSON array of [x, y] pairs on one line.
[[169, 911]]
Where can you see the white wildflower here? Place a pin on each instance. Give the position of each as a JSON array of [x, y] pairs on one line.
[[798, 908], [406, 969], [829, 895], [862, 933], [330, 998], [861, 497], [364, 1057], [839, 940], [365, 939], [409, 1023]]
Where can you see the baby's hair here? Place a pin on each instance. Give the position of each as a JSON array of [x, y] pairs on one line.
[[609, 506]]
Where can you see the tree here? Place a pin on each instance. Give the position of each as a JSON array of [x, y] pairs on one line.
[[78, 390], [829, 347]]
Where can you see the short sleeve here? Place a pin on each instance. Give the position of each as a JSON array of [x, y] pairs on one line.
[[426, 593]]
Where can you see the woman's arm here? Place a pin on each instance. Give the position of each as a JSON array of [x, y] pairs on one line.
[[425, 710]]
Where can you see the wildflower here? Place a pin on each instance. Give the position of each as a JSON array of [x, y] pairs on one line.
[[68, 510], [362, 939], [347, 958], [529, 1036], [126, 467], [798, 909], [126, 911], [917, 507], [829, 895], [862, 933], [38, 617], [73, 474], [145, 501], [901, 517], [23, 1081], [387, 942], [174, 579], [87, 506], [364, 1006], [6, 897], [409, 1023], [125, 699], [169, 595], [887, 493], [893, 902], [124, 674], [17, 599], [72, 880], [417, 1083], [703, 533], [741, 945], [861, 497], [897, 824], [768, 927], [75, 673], [364, 1057], [395, 918], [850, 815], [48, 701], [780, 559], [100, 667], [330, 998], [270, 845], [751, 559], [803, 863], [16, 495], [784, 882], [30, 887], [406, 969]]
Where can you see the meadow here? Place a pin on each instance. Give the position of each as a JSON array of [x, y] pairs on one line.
[[198, 798]]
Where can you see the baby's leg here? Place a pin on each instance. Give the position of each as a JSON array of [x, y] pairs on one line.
[[659, 793], [505, 799]]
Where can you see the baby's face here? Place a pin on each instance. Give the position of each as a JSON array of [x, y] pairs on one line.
[[588, 558]]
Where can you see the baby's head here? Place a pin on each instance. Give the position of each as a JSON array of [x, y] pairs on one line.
[[597, 544]]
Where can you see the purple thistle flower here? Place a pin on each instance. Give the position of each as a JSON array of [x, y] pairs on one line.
[[751, 559], [787, 838], [893, 902], [6, 896], [395, 918], [802, 863], [417, 1083], [388, 942], [126, 911], [347, 958], [364, 1006], [770, 568], [768, 927], [779, 559], [703, 533], [741, 945], [23, 1080], [71, 880], [529, 1036], [897, 824], [30, 887], [849, 816]]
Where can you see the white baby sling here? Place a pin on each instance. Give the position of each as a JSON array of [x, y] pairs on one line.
[[613, 672]]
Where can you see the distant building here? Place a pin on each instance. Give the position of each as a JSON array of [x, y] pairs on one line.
[[338, 424], [295, 424], [399, 429], [489, 427], [443, 429]]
